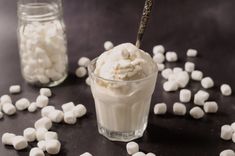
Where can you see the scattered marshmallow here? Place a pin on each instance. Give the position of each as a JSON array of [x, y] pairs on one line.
[[42, 101], [19, 142], [56, 116], [160, 108], [139, 154], [47, 110], [53, 146], [227, 152], [32, 107], [14, 89], [210, 107], [158, 49], [185, 95], [86, 154], [40, 133], [84, 61], [160, 67], [196, 113], [79, 110], [108, 45], [36, 152], [225, 90], [30, 134], [169, 86], [177, 70], [81, 72], [150, 154], [45, 92], [44, 122], [179, 109], [22, 104], [88, 81], [7, 138], [189, 66], [226, 132], [9, 109], [182, 78], [42, 145], [70, 118], [68, 107], [197, 75], [192, 53], [51, 135], [200, 97], [166, 73], [132, 148], [159, 58], [207, 82], [5, 99], [171, 56]]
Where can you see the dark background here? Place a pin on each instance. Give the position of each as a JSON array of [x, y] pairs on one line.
[[207, 25]]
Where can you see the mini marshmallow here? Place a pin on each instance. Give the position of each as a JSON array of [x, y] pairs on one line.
[[159, 58], [189, 66], [197, 75], [14, 89], [227, 152], [192, 53], [200, 97], [9, 109], [1, 115], [81, 72], [196, 113], [207, 82], [86, 154], [5, 99], [68, 107], [32, 107], [160, 67], [233, 126], [226, 132], [51, 135], [150, 154], [53, 146], [22, 104], [36, 152], [84, 61], [45, 92], [132, 148], [160, 108], [42, 101], [158, 49], [42, 145], [179, 109], [108, 45], [166, 73], [171, 56], [225, 90], [7, 138], [210, 107], [182, 78], [185, 95], [30, 134], [139, 154], [169, 86], [44, 122], [88, 81], [19, 142], [233, 138], [177, 70], [40, 133], [70, 118], [46, 111], [56, 116], [79, 110]]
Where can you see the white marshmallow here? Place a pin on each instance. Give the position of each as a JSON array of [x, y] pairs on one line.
[[86, 154], [166, 73], [45, 92], [53, 146], [36, 152], [210, 107], [177, 70], [7, 138], [5, 99], [160, 67], [70, 118], [150, 154], [81, 72], [189, 66], [158, 49], [196, 113], [233, 126], [159, 58], [51, 135], [1, 115], [19, 142], [139, 154], [88, 81], [79, 110], [132, 148], [42, 101], [56, 116], [40, 133], [182, 78], [160, 108], [47, 110], [226, 90], [42, 145], [200, 97], [233, 138], [108, 45], [22, 104], [9, 109], [185, 95], [179, 109], [197, 75], [226, 132], [192, 53], [227, 152], [68, 107], [44, 122], [30, 134], [169, 86], [84, 61], [14, 89], [32, 107], [207, 82], [171, 56]]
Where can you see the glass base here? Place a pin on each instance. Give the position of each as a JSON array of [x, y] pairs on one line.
[[121, 136]]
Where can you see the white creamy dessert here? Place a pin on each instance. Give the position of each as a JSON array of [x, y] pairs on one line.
[[122, 83]]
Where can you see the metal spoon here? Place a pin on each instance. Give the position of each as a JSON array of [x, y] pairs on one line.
[[143, 22]]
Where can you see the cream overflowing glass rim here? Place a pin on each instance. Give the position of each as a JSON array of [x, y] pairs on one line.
[[119, 81]]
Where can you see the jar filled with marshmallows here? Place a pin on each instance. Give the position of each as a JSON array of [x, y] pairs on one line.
[[42, 42]]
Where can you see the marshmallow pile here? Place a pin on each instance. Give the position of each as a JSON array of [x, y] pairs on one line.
[[133, 149], [43, 52]]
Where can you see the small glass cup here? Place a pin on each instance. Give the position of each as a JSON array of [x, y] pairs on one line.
[[122, 107]]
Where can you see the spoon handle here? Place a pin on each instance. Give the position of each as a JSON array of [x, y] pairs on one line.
[[143, 22]]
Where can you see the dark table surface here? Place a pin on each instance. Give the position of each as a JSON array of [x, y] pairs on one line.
[[208, 26]]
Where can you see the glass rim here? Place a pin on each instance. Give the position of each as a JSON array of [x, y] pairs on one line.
[[119, 81]]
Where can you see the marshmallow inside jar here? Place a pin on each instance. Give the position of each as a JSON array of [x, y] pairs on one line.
[[122, 82]]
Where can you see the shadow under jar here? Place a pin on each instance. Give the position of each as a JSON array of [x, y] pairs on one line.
[[42, 42]]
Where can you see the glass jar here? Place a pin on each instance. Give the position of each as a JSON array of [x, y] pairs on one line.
[[42, 42]]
